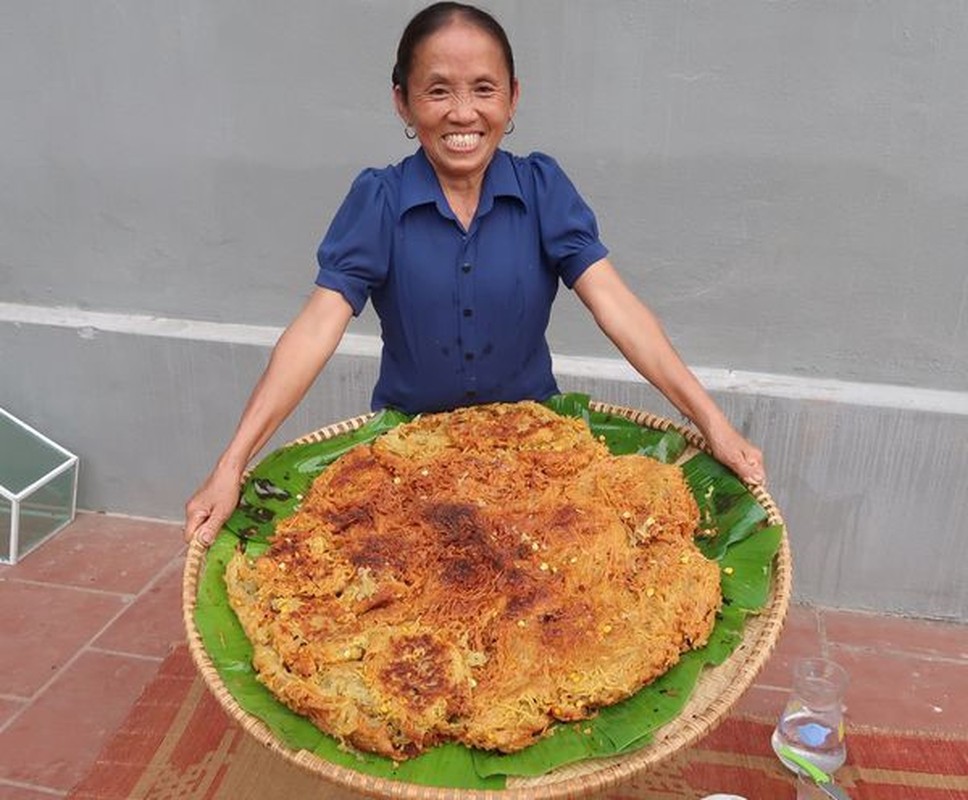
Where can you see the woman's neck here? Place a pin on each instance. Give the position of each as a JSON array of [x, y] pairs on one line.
[[463, 195], [464, 205]]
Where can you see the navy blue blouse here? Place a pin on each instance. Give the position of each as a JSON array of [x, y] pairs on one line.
[[463, 313]]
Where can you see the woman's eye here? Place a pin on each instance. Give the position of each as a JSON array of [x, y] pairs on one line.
[[484, 91], [438, 91]]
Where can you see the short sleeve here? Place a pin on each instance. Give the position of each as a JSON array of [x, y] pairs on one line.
[[354, 255], [569, 230]]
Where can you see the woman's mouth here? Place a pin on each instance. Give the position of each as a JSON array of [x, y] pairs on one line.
[[462, 142]]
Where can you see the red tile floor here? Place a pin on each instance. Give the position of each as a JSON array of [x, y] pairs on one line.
[[87, 618]]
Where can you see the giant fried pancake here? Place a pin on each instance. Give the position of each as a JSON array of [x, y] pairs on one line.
[[475, 576]]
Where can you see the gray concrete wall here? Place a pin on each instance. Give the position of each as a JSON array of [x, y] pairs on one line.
[[786, 183]]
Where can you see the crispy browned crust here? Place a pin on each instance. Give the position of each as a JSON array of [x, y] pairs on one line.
[[475, 576]]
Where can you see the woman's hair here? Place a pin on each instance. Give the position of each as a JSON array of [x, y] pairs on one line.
[[436, 16]]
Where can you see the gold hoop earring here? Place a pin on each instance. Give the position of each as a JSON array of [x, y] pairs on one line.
[[509, 129], [409, 131]]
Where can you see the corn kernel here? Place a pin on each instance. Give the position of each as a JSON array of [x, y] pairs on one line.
[[544, 566], [534, 545], [606, 628], [649, 592], [626, 515], [425, 472], [397, 479], [684, 559], [728, 570], [521, 623]]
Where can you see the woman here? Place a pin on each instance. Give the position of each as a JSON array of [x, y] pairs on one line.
[[460, 247]]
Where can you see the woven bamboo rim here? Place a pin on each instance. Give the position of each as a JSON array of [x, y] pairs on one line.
[[717, 689]]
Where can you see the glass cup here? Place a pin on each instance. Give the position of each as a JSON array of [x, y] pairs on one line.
[[807, 789], [812, 723]]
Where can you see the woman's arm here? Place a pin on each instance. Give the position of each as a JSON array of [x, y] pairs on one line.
[[636, 332], [298, 357]]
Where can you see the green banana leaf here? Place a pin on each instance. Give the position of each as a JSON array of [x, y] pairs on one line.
[[726, 507], [622, 436], [278, 482]]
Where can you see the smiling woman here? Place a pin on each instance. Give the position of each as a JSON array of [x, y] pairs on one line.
[[459, 95], [461, 248]]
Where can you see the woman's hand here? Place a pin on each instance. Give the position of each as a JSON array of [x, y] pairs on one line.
[[733, 450], [211, 506]]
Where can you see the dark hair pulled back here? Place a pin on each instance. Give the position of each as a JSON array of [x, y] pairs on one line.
[[436, 16]]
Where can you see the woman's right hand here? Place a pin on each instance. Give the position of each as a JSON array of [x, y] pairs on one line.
[[211, 506]]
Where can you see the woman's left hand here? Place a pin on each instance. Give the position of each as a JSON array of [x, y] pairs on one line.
[[733, 450]]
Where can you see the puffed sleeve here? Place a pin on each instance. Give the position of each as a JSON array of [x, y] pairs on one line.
[[354, 255], [569, 231]]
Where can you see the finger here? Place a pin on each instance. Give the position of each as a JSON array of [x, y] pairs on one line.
[[747, 464], [193, 521], [755, 473], [191, 532], [206, 534], [212, 525]]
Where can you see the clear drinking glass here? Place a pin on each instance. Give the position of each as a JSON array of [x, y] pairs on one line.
[[807, 789], [812, 723]]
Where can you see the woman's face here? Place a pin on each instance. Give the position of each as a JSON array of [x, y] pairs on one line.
[[459, 100]]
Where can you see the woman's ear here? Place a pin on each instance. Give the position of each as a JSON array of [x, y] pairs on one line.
[[403, 111], [515, 95]]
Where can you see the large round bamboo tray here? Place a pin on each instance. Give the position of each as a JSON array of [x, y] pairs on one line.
[[716, 692]]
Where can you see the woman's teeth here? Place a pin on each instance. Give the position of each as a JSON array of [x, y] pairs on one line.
[[462, 141]]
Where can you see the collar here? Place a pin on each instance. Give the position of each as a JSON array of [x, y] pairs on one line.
[[419, 185]]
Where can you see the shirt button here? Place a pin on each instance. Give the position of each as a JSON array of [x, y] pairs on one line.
[[468, 356], [468, 312], [466, 268], [470, 393]]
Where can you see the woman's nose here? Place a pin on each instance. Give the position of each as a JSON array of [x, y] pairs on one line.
[[463, 109]]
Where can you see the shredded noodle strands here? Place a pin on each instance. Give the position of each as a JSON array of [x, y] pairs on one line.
[[475, 576]]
